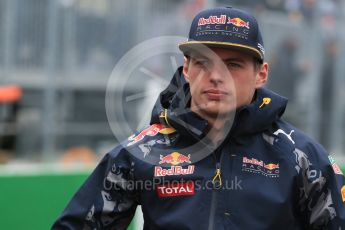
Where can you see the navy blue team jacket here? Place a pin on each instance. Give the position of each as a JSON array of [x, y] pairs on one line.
[[266, 174]]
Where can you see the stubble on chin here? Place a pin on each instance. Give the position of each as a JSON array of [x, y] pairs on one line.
[[213, 110]]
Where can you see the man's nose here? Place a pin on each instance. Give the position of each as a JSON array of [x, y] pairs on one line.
[[218, 74]]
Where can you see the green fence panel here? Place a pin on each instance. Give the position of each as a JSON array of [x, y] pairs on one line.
[[35, 201]]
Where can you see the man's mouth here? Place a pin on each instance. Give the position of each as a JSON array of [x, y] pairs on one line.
[[215, 94]]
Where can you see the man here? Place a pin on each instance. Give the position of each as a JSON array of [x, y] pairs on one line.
[[223, 158]]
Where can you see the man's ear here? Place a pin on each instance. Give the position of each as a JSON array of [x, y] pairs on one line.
[[261, 75], [186, 67]]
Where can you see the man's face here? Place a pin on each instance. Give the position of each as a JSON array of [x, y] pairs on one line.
[[222, 80]]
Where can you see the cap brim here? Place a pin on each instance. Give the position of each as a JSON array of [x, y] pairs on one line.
[[187, 47]]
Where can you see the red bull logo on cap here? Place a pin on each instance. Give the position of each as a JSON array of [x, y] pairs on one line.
[[271, 166], [153, 130], [212, 20], [174, 158], [238, 22]]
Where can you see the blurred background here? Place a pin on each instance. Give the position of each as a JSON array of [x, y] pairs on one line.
[[56, 57]]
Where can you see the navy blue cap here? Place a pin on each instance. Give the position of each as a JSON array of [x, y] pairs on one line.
[[225, 27]]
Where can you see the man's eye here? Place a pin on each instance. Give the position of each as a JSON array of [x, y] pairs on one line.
[[202, 62], [234, 65]]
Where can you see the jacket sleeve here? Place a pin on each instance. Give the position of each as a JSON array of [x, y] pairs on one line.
[[321, 185], [104, 201]]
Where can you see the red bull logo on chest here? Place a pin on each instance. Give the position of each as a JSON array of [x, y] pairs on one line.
[[174, 159], [173, 170], [260, 167]]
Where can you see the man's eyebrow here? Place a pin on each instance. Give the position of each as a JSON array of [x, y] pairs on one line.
[[199, 56], [231, 59], [236, 59]]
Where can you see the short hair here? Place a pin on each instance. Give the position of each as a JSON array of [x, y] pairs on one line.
[[257, 63]]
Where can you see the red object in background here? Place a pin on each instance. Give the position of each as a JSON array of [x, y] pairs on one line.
[[193, 8], [10, 93]]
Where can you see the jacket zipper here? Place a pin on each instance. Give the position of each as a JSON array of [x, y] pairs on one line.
[[217, 184], [217, 179]]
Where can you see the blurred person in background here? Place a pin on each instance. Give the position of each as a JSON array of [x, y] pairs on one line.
[[216, 108], [326, 89], [284, 65], [286, 73]]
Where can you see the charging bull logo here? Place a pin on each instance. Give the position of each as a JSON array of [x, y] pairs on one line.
[[174, 158], [271, 166], [238, 22], [153, 130]]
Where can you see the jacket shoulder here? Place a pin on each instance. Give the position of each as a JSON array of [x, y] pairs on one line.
[[299, 140]]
